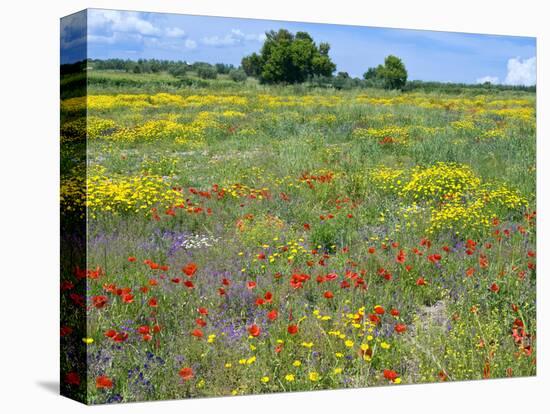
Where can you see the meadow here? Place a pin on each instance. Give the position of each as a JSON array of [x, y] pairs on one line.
[[245, 239]]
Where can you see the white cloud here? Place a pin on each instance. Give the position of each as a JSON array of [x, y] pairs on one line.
[[491, 79], [190, 44], [175, 32], [121, 21], [522, 72], [233, 38]]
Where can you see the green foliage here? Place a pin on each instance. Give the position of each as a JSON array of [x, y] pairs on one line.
[[252, 65], [289, 58], [393, 73], [237, 75], [370, 74], [223, 68], [207, 72], [178, 71]]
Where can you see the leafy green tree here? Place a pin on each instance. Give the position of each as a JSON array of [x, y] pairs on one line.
[[289, 58], [393, 73], [178, 70], [237, 75], [252, 65], [206, 71], [223, 68], [371, 74]]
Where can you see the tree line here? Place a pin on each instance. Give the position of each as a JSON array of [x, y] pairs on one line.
[[287, 58]]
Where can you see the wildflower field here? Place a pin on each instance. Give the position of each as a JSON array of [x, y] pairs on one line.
[[255, 239]]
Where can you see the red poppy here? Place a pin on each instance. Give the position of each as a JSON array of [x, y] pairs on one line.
[[189, 269], [434, 258], [272, 315], [128, 298], [153, 282], [400, 328], [103, 381], [131, 259], [331, 276], [328, 294], [186, 373], [254, 330], [99, 301], [144, 329], [153, 302], [197, 333], [111, 333], [200, 322], [495, 288], [67, 285], [268, 296], [72, 378], [164, 268], [374, 318], [146, 337], [156, 328], [372, 250], [226, 282], [426, 242], [390, 375], [188, 284], [394, 312], [221, 291], [292, 329], [203, 311], [379, 310], [307, 226], [123, 291], [250, 285], [66, 330], [120, 337], [483, 261], [420, 281], [400, 257]]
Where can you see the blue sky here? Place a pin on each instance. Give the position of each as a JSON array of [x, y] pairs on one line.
[[428, 55]]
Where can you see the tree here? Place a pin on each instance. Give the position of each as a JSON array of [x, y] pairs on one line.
[[223, 68], [252, 65], [178, 70], [393, 73], [288, 58], [371, 74], [206, 71], [237, 75]]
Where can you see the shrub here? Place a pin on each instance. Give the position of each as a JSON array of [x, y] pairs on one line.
[[237, 75]]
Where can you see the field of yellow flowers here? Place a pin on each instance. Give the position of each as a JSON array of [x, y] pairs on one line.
[[265, 239]]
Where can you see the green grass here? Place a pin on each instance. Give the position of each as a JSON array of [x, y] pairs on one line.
[[265, 173]]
